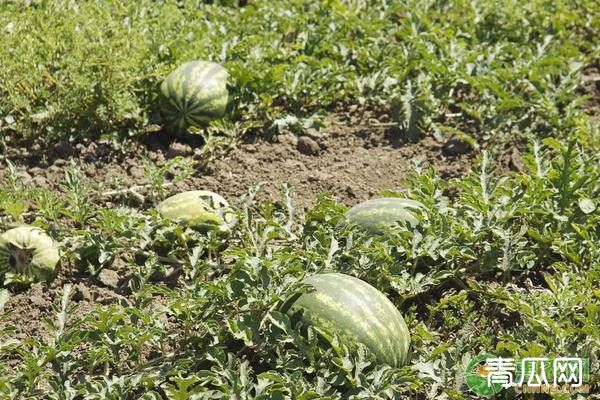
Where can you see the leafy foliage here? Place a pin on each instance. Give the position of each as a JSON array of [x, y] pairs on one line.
[[506, 264], [487, 70]]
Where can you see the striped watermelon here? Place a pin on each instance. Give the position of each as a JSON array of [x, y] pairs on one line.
[[378, 215], [199, 209], [28, 251], [356, 312], [193, 94]]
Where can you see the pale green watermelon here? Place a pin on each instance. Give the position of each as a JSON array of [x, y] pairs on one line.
[[194, 94], [378, 215], [357, 313], [28, 251], [199, 209]]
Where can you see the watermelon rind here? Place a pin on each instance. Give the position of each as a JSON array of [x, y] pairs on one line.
[[29, 252], [378, 216], [202, 210], [357, 313], [193, 94]]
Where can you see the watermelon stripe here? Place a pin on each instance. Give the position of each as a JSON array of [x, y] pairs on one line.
[[363, 332], [379, 215], [206, 104], [209, 79], [202, 114], [358, 311], [173, 97], [194, 93], [171, 102], [211, 73], [376, 318]]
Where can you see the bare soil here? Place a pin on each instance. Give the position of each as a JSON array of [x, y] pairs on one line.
[[351, 163], [590, 82]]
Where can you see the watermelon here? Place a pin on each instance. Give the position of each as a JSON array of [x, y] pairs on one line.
[[199, 209], [193, 94], [29, 252], [357, 313], [379, 215]]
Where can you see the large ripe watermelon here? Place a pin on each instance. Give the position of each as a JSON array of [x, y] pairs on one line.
[[357, 313], [199, 209], [378, 215], [193, 94], [29, 252]]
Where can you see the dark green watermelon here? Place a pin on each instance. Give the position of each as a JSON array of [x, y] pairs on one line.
[[357, 313], [379, 215], [194, 94]]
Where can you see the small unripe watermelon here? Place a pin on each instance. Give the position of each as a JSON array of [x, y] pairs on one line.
[[379, 215], [199, 209], [358, 313], [28, 251], [193, 94]]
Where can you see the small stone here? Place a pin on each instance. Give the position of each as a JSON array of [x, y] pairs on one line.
[[92, 148], [319, 176], [55, 169], [59, 162], [516, 161], [456, 146], [198, 155], [36, 294], [24, 176], [136, 172], [40, 181], [288, 138], [308, 146], [350, 192], [313, 133], [179, 150], [109, 278], [82, 292], [156, 157], [64, 150]]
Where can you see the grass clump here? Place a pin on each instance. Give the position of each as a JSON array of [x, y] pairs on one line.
[[491, 71]]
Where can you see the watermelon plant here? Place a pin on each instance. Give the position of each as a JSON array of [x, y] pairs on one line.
[[199, 209], [357, 313], [27, 254], [193, 94], [503, 260], [379, 215]]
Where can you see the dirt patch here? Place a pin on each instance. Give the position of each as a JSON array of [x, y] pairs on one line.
[[33, 311], [352, 163], [590, 83]]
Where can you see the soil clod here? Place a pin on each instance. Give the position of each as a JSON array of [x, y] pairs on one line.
[[456, 146], [109, 278], [81, 293], [308, 146], [179, 150]]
